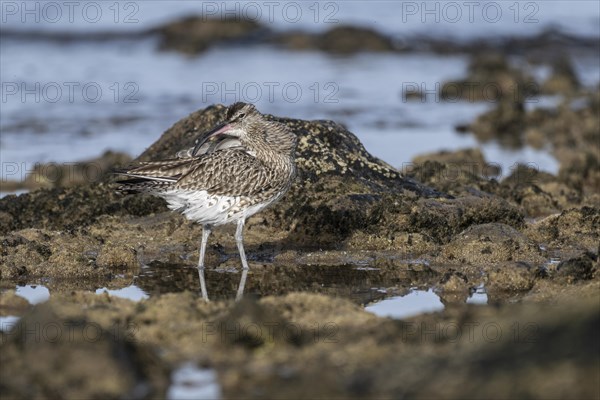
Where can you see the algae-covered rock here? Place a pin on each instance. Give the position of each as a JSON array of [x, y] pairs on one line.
[[72, 207], [577, 228], [454, 288], [193, 35], [50, 175], [492, 244], [490, 78], [578, 268], [117, 256], [339, 40], [563, 79], [511, 277], [466, 172]]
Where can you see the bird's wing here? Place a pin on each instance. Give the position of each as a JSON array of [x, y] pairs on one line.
[[229, 172], [220, 142], [165, 170]]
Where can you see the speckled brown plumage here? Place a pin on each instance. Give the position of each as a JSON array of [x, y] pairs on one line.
[[240, 167], [256, 163]]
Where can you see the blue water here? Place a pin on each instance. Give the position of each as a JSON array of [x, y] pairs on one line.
[[69, 102]]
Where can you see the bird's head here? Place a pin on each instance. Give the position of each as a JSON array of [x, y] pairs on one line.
[[245, 122], [237, 119]]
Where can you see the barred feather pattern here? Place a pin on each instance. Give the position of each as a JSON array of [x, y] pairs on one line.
[[228, 179]]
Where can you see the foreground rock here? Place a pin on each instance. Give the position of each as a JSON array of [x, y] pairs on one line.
[[81, 359], [278, 347]]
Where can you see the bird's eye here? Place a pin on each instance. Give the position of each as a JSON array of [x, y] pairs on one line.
[[241, 115]]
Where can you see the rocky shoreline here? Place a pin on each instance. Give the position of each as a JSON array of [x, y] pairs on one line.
[[347, 208], [194, 35], [352, 231]]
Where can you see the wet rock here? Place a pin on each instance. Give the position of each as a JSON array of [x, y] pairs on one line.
[[570, 129], [339, 40], [459, 173], [462, 173], [581, 170], [118, 257], [471, 159], [411, 244], [579, 268], [535, 201], [504, 123], [453, 287], [491, 244], [574, 228], [340, 342], [511, 277], [70, 208], [193, 35], [563, 79], [38, 253], [44, 355], [350, 39], [345, 321], [453, 178], [490, 78], [444, 220], [51, 175], [539, 193]]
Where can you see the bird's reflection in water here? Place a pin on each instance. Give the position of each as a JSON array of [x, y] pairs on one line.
[[240, 290], [360, 285]]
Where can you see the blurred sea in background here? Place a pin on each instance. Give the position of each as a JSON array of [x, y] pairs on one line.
[[71, 100]]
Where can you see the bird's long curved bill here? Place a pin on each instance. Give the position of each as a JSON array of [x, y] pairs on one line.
[[212, 133]]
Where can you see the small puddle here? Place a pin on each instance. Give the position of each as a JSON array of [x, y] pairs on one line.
[[34, 294], [414, 303], [131, 292], [355, 283], [188, 382], [418, 302], [380, 289]]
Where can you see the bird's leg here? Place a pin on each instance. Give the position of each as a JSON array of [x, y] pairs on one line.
[[239, 239], [206, 229], [242, 285]]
